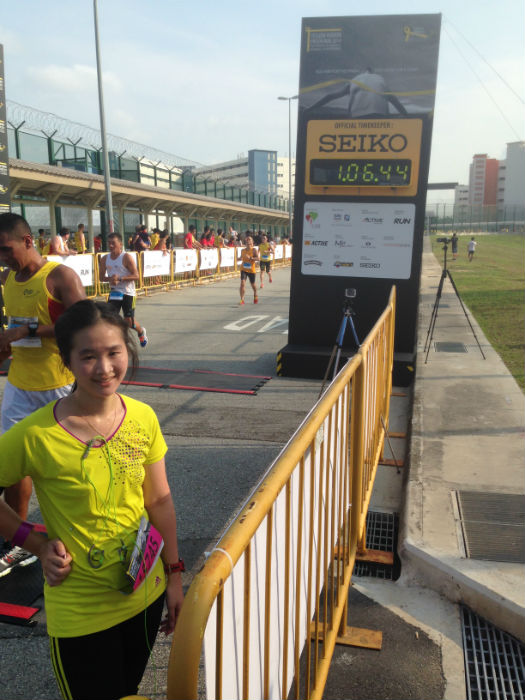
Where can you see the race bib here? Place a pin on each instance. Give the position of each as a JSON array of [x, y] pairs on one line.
[[115, 294]]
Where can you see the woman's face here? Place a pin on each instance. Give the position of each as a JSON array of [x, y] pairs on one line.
[[99, 359]]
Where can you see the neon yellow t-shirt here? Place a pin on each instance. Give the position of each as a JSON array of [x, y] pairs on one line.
[[265, 251], [80, 507], [78, 242], [154, 240]]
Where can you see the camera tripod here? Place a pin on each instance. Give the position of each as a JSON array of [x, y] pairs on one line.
[[347, 319], [444, 274]]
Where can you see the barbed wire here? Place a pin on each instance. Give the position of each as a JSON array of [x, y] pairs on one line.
[[86, 136]]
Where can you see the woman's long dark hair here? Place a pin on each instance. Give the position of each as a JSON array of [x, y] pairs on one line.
[[87, 313]]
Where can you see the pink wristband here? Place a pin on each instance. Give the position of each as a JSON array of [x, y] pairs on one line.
[[22, 534]]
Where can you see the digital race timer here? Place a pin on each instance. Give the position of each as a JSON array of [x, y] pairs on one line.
[[370, 172], [369, 156]]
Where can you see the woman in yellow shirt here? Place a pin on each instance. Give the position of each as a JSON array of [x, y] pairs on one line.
[[97, 463]]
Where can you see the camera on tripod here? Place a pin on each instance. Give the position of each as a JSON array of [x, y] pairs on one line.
[[350, 295], [348, 312], [443, 240]]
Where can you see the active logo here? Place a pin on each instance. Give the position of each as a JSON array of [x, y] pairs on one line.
[[322, 243], [372, 220]]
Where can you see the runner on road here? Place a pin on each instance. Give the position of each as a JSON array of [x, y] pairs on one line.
[[266, 250], [249, 257], [119, 269]]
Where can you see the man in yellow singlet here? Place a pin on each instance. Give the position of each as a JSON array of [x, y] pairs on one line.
[[36, 292], [249, 257], [266, 251], [80, 239]]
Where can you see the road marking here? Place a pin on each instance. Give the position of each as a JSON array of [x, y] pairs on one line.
[[248, 321], [245, 322], [276, 321]]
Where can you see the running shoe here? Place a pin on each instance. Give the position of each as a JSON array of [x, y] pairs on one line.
[[16, 556], [143, 339], [255, 300], [262, 285], [241, 303]]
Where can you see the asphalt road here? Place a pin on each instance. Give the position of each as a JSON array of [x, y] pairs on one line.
[[219, 447]]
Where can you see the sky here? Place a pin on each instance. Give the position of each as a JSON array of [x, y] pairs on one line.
[[201, 79]]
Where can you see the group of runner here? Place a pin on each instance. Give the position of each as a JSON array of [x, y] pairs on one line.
[[96, 460], [250, 256]]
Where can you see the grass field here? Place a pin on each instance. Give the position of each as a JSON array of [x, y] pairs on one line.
[[492, 287]]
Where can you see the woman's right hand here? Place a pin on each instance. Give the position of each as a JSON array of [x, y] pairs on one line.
[[56, 562]]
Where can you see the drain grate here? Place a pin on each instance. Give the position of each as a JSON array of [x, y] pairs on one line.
[[450, 347], [493, 525], [494, 660], [381, 533]]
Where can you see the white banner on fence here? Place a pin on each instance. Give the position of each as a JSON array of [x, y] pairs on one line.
[[156, 262], [81, 264], [287, 251], [279, 252], [209, 258], [227, 257], [185, 259], [324, 488]]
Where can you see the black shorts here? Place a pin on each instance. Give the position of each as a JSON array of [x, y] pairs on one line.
[[249, 275], [127, 304], [266, 265], [109, 663]]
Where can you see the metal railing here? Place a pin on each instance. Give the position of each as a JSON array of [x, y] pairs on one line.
[[279, 576]]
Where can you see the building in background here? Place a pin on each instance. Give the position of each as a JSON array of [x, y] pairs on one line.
[[461, 202], [513, 179], [283, 165], [496, 189], [483, 181], [257, 171]]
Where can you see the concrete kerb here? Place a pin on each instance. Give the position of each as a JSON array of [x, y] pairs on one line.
[[443, 575]]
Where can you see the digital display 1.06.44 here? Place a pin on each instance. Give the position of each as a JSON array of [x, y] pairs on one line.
[[372, 172]]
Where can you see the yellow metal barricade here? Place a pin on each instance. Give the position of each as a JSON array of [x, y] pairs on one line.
[[102, 287], [279, 576], [189, 276], [225, 270], [91, 289], [204, 272], [85, 265], [149, 262]]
